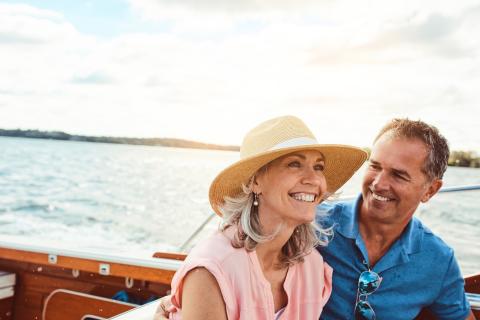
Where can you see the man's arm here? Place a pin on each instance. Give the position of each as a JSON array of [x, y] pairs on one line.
[[452, 303]]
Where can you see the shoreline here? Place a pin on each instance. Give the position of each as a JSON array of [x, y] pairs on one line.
[[464, 159], [161, 142]]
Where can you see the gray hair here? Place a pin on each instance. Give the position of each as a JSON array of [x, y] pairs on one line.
[[437, 146], [242, 214]]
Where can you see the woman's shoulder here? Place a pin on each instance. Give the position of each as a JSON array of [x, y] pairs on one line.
[[314, 278], [313, 266], [209, 255], [217, 247], [313, 257]]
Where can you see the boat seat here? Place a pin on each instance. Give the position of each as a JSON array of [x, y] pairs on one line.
[[170, 255], [72, 305]]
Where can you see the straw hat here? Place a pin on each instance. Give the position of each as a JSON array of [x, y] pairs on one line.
[[273, 139]]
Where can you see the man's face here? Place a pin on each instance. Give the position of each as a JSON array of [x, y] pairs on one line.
[[394, 183]]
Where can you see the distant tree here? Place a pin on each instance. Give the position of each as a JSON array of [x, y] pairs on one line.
[[464, 159]]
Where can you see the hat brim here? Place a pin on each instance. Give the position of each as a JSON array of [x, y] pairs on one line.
[[341, 162]]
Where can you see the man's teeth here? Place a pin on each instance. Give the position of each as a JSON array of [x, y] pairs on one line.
[[379, 198], [304, 197]]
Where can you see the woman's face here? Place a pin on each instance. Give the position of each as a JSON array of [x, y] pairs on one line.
[[290, 188]]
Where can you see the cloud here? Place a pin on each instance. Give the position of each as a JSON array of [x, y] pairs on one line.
[[224, 17], [420, 35], [435, 27], [435, 33], [93, 78], [9, 38], [346, 63], [163, 8], [29, 25], [39, 49]]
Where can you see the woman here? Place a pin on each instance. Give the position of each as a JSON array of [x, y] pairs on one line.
[[262, 263]]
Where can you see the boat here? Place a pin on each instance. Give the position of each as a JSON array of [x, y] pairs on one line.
[[53, 283], [44, 282]]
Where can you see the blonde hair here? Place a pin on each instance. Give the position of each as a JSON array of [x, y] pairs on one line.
[[242, 214]]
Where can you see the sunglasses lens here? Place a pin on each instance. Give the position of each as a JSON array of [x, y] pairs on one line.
[[368, 282], [363, 311]]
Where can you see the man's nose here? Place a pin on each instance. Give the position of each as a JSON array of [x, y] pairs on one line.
[[380, 182]]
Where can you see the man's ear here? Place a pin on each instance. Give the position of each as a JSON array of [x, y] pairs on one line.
[[433, 188]]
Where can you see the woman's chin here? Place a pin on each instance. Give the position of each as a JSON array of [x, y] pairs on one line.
[[306, 218]]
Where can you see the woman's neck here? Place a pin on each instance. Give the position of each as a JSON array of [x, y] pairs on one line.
[[269, 253]]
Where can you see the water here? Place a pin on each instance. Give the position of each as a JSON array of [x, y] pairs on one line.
[[136, 200]]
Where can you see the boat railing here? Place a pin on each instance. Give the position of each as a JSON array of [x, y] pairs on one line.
[[192, 237], [474, 300]]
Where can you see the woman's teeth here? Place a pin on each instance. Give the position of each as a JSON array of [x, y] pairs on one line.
[[307, 197]]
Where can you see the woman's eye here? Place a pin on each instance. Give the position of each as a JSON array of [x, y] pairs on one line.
[[320, 167], [294, 164]]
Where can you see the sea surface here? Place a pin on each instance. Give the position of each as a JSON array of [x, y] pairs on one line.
[[135, 200]]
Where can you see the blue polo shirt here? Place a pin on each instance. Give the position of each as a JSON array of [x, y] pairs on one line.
[[419, 271]]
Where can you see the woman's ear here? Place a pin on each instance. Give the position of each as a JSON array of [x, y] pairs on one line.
[[256, 185]]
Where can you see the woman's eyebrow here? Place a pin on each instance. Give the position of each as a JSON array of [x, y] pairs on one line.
[[301, 156]]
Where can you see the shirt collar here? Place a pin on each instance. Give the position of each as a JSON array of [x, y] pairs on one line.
[[347, 222], [410, 239]]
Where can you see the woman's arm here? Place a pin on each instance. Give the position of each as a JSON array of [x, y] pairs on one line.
[[201, 297]]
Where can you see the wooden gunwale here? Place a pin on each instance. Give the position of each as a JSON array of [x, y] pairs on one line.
[[148, 269]]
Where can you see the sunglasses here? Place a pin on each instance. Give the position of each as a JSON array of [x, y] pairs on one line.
[[368, 283]]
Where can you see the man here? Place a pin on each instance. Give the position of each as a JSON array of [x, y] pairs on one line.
[[387, 265], [410, 268]]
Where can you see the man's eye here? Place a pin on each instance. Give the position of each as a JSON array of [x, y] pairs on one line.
[[399, 176]]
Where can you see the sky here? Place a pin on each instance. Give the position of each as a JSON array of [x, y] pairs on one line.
[[210, 70]]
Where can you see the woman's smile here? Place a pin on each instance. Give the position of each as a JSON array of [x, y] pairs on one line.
[[302, 196]]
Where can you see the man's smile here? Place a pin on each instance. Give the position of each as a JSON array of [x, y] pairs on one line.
[[381, 198]]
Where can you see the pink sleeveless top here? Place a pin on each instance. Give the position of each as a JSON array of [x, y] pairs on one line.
[[246, 292]]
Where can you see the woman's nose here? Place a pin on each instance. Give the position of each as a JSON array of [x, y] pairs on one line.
[[313, 177]]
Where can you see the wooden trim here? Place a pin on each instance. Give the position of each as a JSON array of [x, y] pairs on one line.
[[472, 283], [72, 304], [116, 269], [166, 264], [170, 255]]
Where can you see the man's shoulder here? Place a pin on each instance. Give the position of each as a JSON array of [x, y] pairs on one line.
[[336, 204], [331, 211], [430, 242]]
